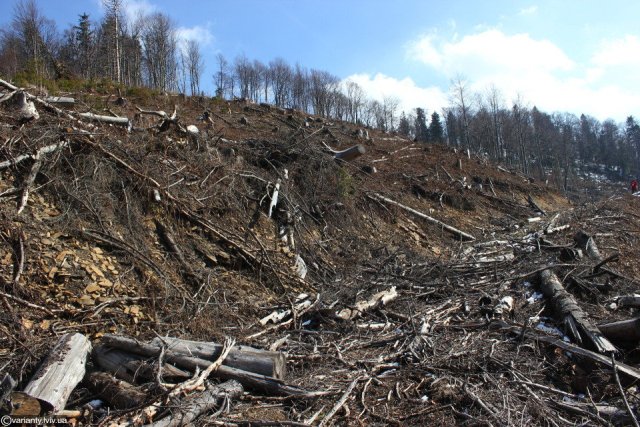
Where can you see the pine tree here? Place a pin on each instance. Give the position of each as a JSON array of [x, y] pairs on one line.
[[84, 43], [404, 127], [436, 132], [422, 132]]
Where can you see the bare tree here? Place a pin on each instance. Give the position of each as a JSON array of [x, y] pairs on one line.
[[281, 77], [114, 14], [460, 100], [355, 99], [160, 46], [195, 65], [221, 76]]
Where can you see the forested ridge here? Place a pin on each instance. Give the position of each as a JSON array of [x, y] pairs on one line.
[[113, 51]]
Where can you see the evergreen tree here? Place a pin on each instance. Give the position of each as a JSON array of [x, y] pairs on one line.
[[422, 131], [436, 131], [84, 44], [404, 127]]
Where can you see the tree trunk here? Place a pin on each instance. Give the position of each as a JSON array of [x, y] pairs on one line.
[[624, 330], [263, 362], [61, 371], [574, 318], [117, 393], [123, 121], [130, 367]]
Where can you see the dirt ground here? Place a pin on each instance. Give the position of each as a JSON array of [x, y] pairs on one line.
[[91, 252]]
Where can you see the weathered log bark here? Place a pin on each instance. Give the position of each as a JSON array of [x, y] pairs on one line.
[[6, 387], [122, 121], [450, 229], [349, 154], [377, 300], [261, 383], [588, 245], [26, 107], [130, 367], [574, 318], [61, 371], [624, 330], [117, 393], [192, 406], [534, 205], [263, 362]]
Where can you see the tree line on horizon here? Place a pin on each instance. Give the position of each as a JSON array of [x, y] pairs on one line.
[[148, 53]]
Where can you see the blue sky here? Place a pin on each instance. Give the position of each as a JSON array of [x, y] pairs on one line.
[[560, 55]]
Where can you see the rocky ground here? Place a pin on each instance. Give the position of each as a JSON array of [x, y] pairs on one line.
[[148, 230]]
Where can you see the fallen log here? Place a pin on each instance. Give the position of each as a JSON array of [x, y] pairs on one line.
[[61, 371], [122, 121], [573, 317], [41, 152], [628, 301], [263, 362], [132, 368], [535, 206], [623, 330], [261, 383], [628, 370], [191, 407], [377, 300], [63, 100], [450, 229], [117, 393], [349, 154]]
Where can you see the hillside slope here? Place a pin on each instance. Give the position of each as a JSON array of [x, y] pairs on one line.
[[153, 231]]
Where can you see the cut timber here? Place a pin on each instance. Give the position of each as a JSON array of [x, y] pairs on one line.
[[624, 330], [377, 300], [262, 383], [574, 318], [42, 151], [63, 100], [534, 205], [350, 153], [61, 371], [122, 121], [450, 229], [26, 107], [118, 393], [588, 245], [131, 367], [191, 407], [269, 363]]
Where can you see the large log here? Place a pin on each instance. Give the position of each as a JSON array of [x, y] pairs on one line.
[[624, 330], [450, 229], [132, 368], [191, 407], [574, 318], [377, 300], [63, 100], [61, 371], [117, 393], [122, 121], [261, 383], [263, 362], [350, 153]]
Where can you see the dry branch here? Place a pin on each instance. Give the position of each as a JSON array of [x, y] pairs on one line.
[[574, 318], [450, 229]]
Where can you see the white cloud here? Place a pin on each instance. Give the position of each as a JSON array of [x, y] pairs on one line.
[[198, 33], [406, 90], [607, 86], [528, 10], [623, 51], [134, 9]]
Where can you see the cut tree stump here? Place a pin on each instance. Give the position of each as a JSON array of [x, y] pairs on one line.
[[191, 407], [263, 362], [117, 393], [573, 317], [61, 371], [588, 245]]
